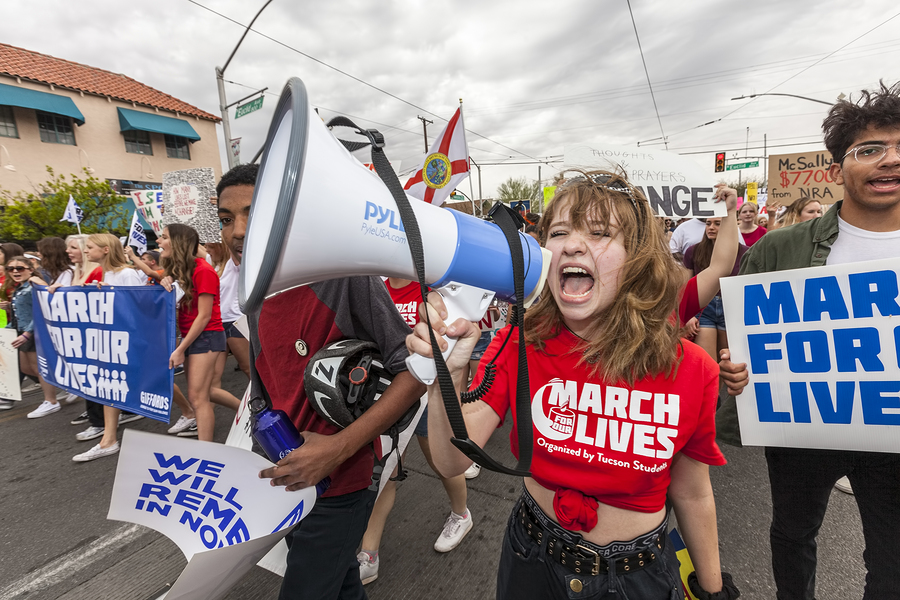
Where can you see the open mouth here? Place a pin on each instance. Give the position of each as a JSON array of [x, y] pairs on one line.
[[885, 183], [576, 283]]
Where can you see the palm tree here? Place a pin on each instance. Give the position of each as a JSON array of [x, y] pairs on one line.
[[514, 189]]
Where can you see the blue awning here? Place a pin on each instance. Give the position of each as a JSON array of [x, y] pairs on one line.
[[11, 95], [134, 120]]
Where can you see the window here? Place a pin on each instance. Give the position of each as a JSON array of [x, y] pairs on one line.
[[8, 122], [55, 129], [138, 142], [178, 147]]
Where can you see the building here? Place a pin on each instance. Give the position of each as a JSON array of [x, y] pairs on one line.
[[73, 117]]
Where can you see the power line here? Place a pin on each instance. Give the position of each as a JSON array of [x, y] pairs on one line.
[[353, 77], [647, 73]]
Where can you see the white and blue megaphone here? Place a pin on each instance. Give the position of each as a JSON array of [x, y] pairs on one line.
[[318, 213]]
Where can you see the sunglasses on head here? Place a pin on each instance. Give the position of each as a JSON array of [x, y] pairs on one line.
[[17, 269]]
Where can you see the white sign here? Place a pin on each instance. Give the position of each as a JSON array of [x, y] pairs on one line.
[[9, 366], [149, 202], [200, 495], [185, 199], [675, 186], [821, 345]]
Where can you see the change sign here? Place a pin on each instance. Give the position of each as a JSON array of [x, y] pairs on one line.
[[676, 186], [822, 345]]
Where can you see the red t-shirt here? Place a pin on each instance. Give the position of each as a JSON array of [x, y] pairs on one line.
[[689, 305], [407, 300], [95, 276], [609, 440], [205, 281], [752, 238]]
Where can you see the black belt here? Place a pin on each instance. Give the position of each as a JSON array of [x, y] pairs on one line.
[[583, 558]]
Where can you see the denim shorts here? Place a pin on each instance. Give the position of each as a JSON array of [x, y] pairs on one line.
[[231, 331], [528, 571], [208, 341], [483, 342], [713, 316]]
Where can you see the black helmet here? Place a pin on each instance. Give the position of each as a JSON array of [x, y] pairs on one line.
[[345, 378]]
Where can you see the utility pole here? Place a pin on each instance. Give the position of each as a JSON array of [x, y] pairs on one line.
[[223, 103], [765, 164], [425, 124]]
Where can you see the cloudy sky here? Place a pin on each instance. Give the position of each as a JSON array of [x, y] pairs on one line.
[[534, 76]]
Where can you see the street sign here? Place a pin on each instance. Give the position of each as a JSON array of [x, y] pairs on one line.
[[246, 109], [745, 165]]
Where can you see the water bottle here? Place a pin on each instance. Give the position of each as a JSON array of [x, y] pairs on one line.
[[273, 430]]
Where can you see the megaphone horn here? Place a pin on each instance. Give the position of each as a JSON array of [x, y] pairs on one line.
[[318, 213]]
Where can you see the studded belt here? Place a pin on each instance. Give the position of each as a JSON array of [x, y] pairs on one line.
[[584, 558]]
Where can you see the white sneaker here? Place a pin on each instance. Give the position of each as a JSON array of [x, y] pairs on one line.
[[455, 529], [46, 408], [6, 404], [843, 484], [368, 567], [473, 471], [123, 418], [181, 424], [71, 398], [91, 433], [61, 395], [96, 452]]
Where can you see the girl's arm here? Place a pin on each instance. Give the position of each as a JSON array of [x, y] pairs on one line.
[[141, 264], [724, 253], [481, 420], [204, 313], [695, 508]]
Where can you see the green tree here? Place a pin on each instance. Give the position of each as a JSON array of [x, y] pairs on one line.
[[35, 215], [514, 189]]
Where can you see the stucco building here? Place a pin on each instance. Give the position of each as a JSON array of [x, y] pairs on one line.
[[73, 117]]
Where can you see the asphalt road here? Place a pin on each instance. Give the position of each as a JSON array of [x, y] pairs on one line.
[[56, 542]]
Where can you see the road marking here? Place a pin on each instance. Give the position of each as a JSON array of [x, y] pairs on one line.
[[72, 562]]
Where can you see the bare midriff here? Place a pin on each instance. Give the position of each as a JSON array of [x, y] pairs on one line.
[[613, 524]]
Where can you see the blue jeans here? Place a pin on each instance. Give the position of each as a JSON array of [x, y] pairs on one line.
[[321, 562], [801, 481], [527, 571], [713, 316]]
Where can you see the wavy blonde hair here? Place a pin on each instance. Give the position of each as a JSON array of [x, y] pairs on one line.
[[84, 268], [179, 265], [636, 335]]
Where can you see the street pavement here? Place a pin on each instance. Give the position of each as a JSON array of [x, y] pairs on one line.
[[56, 542]]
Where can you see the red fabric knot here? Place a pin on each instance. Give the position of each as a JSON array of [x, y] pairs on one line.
[[575, 511]]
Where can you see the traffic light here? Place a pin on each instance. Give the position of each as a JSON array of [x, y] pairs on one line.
[[720, 162]]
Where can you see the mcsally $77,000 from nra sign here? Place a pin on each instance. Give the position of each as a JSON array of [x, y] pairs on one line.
[[110, 344], [822, 347]]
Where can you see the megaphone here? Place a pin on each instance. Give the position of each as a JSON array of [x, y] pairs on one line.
[[318, 213]]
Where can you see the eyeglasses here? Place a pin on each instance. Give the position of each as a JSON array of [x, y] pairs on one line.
[[17, 269], [868, 154]]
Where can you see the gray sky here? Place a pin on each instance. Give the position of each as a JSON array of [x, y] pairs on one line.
[[534, 76]]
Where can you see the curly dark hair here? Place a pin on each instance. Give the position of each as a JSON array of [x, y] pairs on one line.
[[240, 175], [847, 119], [53, 256]]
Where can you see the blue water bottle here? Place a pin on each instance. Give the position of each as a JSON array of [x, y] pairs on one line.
[[273, 430]]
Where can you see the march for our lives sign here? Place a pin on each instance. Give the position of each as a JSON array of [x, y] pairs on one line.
[[822, 346], [110, 345]]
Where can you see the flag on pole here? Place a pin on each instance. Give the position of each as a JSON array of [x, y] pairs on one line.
[[73, 213], [445, 166], [136, 235]]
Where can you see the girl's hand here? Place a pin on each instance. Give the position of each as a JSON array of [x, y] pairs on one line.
[[54, 287], [129, 252], [4, 305], [727, 195], [166, 282], [177, 358], [19, 341], [466, 332]]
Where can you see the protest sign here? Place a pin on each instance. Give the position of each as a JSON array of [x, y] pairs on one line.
[[186, 199], [149, 203], [821, 346], [9, 366], [201, 495], [136, 235], [803, 175], [110, 345], [675, 186]]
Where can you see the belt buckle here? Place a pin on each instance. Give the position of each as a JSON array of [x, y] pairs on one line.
[[585, 549]]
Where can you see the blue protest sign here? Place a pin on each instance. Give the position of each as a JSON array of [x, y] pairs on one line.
[[110, 345], [822, 346]]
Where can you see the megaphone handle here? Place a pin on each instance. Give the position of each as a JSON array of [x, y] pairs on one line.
[[461, 301]]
